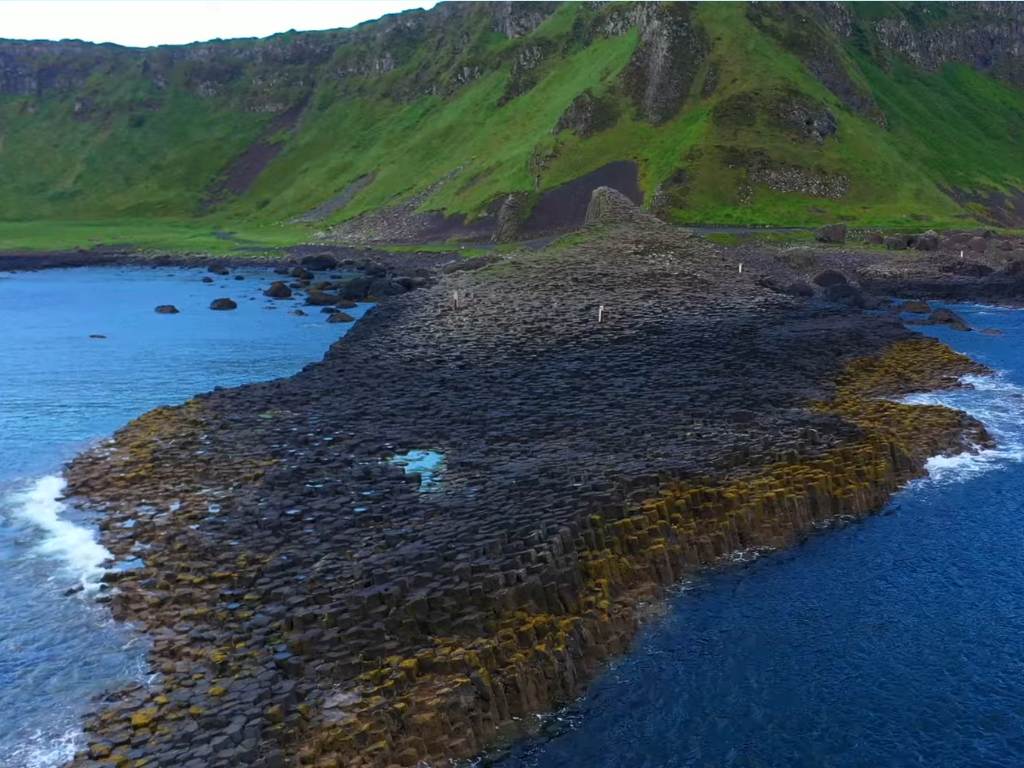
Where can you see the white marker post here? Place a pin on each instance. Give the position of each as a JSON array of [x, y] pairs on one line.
[[600, 314], [455, 299], [741, 268], [961, 254]]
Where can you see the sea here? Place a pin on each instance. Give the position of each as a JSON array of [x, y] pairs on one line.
[[82, 352]]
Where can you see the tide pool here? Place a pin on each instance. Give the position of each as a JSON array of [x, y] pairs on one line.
[[81, 353]]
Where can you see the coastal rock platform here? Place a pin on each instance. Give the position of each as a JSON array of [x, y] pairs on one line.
[[608, 414]]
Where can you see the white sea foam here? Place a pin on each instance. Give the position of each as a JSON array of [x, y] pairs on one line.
[[74, 546], [41, 751], [995, 402]]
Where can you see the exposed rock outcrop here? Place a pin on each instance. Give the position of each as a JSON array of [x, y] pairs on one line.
[[663, 67]]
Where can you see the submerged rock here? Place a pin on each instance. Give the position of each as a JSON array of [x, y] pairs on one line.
[[219, 269], [166, 309], [222, 304], [340, 317]]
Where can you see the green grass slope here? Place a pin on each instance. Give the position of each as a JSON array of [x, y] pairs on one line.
[[127, 146]]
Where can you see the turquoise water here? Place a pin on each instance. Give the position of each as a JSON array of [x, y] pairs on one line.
[[60, 390], [897, 641]]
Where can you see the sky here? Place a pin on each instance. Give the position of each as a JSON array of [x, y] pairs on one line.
[[160, 22]]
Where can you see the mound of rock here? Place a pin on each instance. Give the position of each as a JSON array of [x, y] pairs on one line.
[[609, 206], [223, 304]]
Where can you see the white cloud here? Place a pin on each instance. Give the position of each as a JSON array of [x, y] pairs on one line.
[[159, 22]]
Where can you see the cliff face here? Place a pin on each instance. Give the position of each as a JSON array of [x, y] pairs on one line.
[[463, 105]]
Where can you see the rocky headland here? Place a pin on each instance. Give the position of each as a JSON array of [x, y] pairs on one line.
[[613, 412]]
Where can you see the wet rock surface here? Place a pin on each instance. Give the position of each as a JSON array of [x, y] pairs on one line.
[[611, 415]]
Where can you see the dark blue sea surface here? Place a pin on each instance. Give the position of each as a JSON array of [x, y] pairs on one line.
[[897, 641], [60, 390]]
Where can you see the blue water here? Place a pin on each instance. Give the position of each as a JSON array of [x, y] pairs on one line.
[[59, 391], [897, 641]]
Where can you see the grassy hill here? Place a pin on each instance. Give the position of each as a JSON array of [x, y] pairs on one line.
[[879, 114]]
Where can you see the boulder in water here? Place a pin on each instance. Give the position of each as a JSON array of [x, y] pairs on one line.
[[948, 318], [340, 317], [218, 269], [223, 304], [278, 290], [166, 309], [317, 298]]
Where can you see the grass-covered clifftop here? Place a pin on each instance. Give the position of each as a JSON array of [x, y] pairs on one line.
[[782, 114]]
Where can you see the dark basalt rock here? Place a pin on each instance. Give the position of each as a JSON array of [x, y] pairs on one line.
[[340, 317], [949, 318], [831, 233], [844, 293], [966, 268], [917, 307], [928, 241], [223, 304], [800, 289], [207, 279], [897, 242], [278, 290], [320, 262], [301, 273], [315, 298], [219, 269], [166, 309], [829, 278]]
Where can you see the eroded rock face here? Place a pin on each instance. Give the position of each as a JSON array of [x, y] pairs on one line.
[[672, 48], [511, 215], [587, 115], [988, 36]]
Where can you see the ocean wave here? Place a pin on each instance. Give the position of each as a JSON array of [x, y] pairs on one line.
[[998, 404], [46, 751], [74, 546]]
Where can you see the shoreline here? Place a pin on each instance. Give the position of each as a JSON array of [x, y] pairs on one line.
[[366, 668]]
